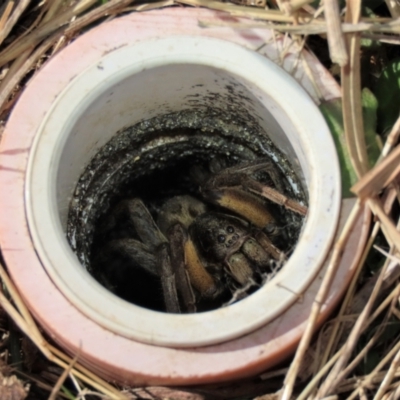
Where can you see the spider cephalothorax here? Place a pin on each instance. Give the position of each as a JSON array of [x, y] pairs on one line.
[[205, 250]]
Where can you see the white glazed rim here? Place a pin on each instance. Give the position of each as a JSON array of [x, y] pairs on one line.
[[211, 327]]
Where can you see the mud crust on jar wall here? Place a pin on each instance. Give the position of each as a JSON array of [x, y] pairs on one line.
[[151, 161]]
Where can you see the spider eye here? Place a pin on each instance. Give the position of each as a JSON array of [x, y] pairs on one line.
[[230, 229], [221, 238], [271, 229]]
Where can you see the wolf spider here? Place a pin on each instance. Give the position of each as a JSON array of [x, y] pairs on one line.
[[203, 253]]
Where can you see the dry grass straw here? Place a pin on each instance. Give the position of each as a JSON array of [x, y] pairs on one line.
[[22, 317], [334, 352], [336, 41], [344, 361]]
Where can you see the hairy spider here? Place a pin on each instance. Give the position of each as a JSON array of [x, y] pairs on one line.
[[203, 251]]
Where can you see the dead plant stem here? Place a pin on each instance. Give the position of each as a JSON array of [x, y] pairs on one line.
[[334, 337], [53, 9], [25, 322], [392, 139], [61, 379], [294, 5], [58, 22], [315, 380], [11, 21], [93, 377], [111, 7], [318, 302], [336, 42], [388, 377], [361, 354], [351, 100], [338, 373], [393, 7], [380, 176], [20, 67], [22, 308], [324, 368], [6, 14], [240, 11], [317, 27], [392, 235], [369, 378], [150, 6], [307, 69]]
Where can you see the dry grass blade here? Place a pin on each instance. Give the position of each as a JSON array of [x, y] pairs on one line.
[[304, 27], [150, 6], [388, 377], [294, 5], [382, 38], [388, 255], [389, 229], [336, 42], [371, 378], [111, 7], [318, 302], [393, 7], [20, 68], [77, 7], [348, 306], [392, 138], [19, 9], [58, 22], [35, 37], [53, 8], [351, 86], [356, 384], [62, 378], [363, 353], [240, 11], [395, 395], [379, 177], [6, 14], [338, 372], [27, 325], [315, 380], [352, 304], [23, 312]]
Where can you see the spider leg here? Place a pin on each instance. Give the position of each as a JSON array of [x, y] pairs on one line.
[[177, 238], [271, 194], [188, 269], [136, 251], [234, 176], [244, 204], [256, 253], [140, 218], [151, 253], [157, 263], [168, 280], [240, 177], [201, 280], [252, 253], [240, 268], [271, 249]]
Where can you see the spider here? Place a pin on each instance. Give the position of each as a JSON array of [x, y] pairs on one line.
[[206, 249]]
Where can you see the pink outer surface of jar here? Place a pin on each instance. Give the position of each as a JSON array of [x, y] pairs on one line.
[[110, 355]]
